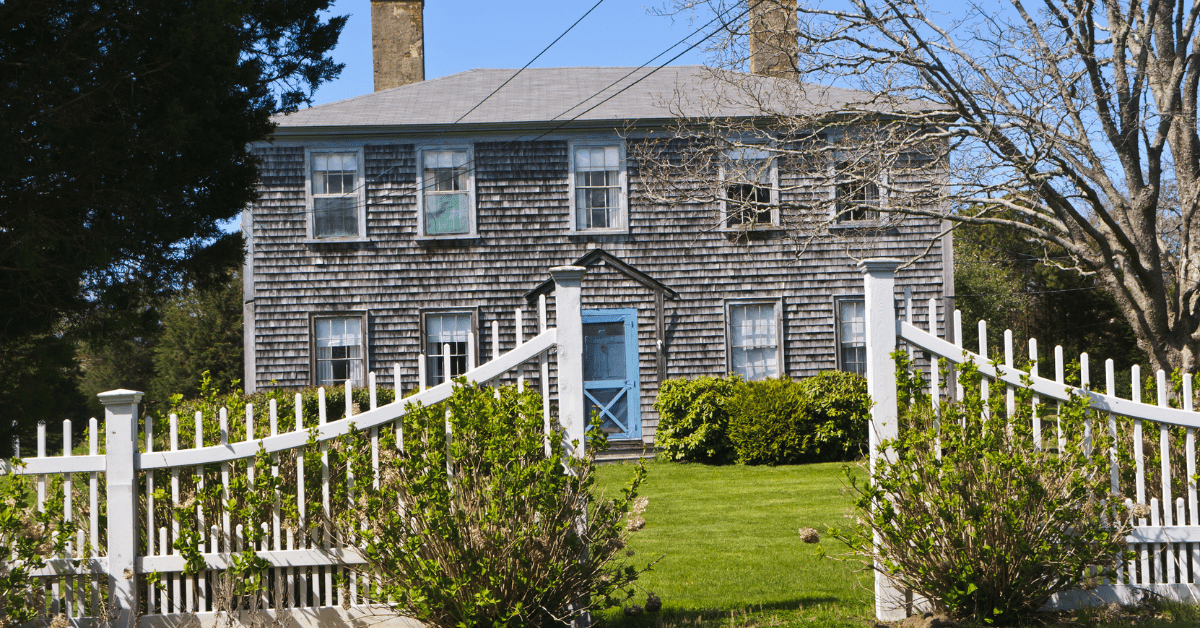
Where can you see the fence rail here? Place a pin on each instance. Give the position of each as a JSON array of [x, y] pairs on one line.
[[129, 570], [1165, 534]]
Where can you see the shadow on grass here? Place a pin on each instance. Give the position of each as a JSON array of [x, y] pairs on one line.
[[827, 610]]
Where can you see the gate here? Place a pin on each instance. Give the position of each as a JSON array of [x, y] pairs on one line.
[[1165, 534], [129, 569]]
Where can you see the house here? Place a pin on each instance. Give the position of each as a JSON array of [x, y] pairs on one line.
[[406, 221]]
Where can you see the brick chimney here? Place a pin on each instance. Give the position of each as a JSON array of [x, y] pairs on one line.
[[398, 42], [773, 38]]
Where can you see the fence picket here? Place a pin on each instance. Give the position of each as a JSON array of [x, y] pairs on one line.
[[177, 585], [544, 372], [983, 381], [1164, 450], [1035, 399], [201, 578], [1110, 388], [958, 344], [520, 339], [327, 544], [150, 528], [1010, 392], [1085, 383]]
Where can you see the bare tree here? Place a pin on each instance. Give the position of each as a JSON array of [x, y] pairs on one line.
[[1073, 122]]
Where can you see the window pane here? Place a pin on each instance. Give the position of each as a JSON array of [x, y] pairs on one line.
[[603, 351], [612, 406], [753, 340], [597, 187], [335, 216], [446, 214]]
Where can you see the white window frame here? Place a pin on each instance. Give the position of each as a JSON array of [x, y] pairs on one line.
[[837, 328], [472, 349], [363, 347], [724, 189], [837, 221], [622, 225], [780, 335], [472, 209], [359, 194]]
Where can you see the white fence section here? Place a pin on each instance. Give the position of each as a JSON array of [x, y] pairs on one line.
[[109, 568], [1165, 533]]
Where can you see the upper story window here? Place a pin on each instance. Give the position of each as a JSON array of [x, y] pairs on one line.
[[750, 179], [446, 192], [338, 208], [339, 350], [598, 181], [857, 197], [752, 341], [851, 328]]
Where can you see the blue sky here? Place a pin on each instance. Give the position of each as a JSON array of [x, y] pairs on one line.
[[466, 34]]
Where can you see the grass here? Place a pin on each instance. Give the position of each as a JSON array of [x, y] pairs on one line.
[[730, 551]]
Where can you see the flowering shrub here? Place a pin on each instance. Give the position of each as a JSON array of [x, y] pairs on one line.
[[972, 514], [492, 531]]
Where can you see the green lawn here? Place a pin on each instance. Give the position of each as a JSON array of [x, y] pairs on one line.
[[731, 555]]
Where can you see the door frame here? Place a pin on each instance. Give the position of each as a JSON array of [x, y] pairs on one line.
[[633, 376]]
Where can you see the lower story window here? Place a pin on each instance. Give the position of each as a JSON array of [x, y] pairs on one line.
[[442, 330], [339, 344], [754, 339], [852, 336]]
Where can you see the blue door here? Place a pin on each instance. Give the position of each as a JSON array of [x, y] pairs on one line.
[[611, 385]]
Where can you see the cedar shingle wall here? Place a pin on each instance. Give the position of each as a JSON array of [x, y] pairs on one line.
[[523, 212]]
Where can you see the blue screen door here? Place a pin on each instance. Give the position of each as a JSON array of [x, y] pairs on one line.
[[611, 385]]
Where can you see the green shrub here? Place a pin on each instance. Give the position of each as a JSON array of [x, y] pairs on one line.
[[693, 419], [503, 535], [841, 415], [971, 514], [781, 421], [767, 421]]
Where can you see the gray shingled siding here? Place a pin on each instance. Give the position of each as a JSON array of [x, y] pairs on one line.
[[522, 204]]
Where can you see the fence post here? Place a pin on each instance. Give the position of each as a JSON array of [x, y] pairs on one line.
[[879, 290], [568, 303], [120, 424]]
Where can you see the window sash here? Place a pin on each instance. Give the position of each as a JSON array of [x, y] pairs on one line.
[[442, 329], [597, 187], [335, 194], [446, 187], [852, 336], [856, 197], [749, 186], [754, 340], [338, 344]]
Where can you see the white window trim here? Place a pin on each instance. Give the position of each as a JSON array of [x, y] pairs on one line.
[[774, 177], [835, 223], [780, 331], [312, 340], [360, 191], [837, 325], [472, 350], [622, 181], [473, 210]]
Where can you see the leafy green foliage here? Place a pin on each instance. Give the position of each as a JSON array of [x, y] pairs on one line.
[[718, 420], [27, 538], [969, 508], [781, 421], [491, 531], [693, 419]]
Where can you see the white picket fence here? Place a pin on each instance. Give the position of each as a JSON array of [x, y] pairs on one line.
[[1165, 533], [106, 576]]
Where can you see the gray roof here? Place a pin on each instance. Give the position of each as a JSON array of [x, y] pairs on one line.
[[583, 94]]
